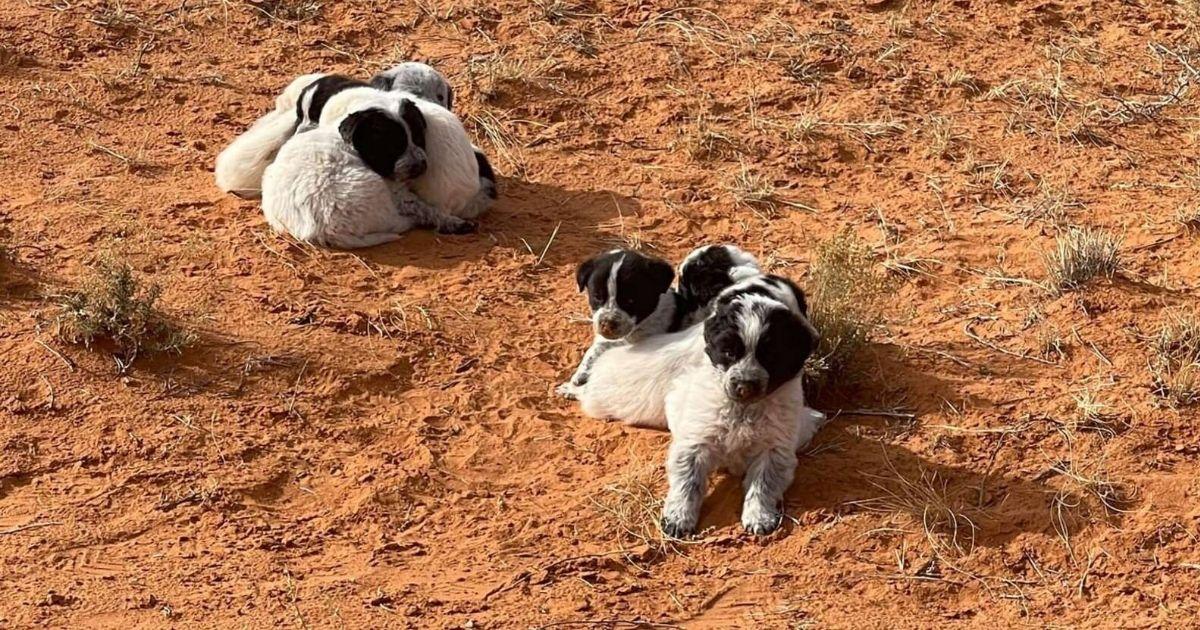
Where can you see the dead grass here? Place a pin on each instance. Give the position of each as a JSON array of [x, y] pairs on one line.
[[1095, 416], [1079, 256], [293, 11], [1087, 493], [1175, 359], [945, 519], [632, 507], [492, 74], [1189, 218], [753, 190], [113, 307], [847, 292]]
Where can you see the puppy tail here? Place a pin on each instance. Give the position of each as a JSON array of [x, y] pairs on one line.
[[239, 168]]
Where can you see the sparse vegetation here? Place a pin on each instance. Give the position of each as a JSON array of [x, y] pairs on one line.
[[844, 306], [632, 505], [114, 308], [1175, 359], [944, 517], [1079, 256]]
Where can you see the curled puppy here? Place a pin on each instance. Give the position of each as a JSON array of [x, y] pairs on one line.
[[344, 185], [731, 393], [452, 182], [631, 298], [239, 168], [422, 80]]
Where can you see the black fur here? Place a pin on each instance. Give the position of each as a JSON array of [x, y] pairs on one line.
[[641, 280], [449, 98], [486, 174], [770, 286], [379, 139], [783, 347], [412, 116], [381, 82], [322, 90], [706, 275]]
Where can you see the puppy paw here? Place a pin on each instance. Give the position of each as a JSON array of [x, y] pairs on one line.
[[677, 528], [761, 522], [568, 390], [458, 226]]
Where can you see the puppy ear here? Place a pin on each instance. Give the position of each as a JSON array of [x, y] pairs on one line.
[[412, 116], [584, 273], [661, 273], [798, 293], [381, 81], [449, 98], [377, 138]]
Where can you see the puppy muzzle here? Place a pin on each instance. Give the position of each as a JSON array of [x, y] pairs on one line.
[[747, 384], [613, 325]]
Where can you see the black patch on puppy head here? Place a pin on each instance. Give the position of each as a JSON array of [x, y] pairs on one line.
[[640, 281], [783, 347], [486, 174], [321, 91], [723, 341], [706, 275], [786, 284], [412, 116], [379, 139], [449, 98], [770, 286]]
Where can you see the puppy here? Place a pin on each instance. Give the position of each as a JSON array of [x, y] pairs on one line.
[[729, 391], [344, 185], [423, 81], [239, 168], [631, 298], [452, 182]]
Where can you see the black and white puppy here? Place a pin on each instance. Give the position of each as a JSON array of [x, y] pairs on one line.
[[346, 185], [731, 393], [631, 297], [423, 81]]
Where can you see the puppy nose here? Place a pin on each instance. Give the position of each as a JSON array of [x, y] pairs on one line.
[[745, 390], [418, 169], [608, 327]]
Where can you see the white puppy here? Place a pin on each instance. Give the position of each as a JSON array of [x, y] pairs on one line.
[[452, 182], [345, 185], [732, 395], [239, 168]]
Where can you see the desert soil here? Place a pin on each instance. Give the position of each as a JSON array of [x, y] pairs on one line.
[[371, 439]]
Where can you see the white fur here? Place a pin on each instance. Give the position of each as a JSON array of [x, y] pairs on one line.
[[239, 168], [320, 191], [451, 183]]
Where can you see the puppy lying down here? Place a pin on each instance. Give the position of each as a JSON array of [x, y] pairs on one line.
[[346, 185], [631, 297], [731, 393]]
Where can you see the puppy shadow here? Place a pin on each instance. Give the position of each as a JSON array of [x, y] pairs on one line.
[[852, 466], [543, 221]]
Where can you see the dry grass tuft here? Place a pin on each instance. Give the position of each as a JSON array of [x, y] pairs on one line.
[[1079, 256], [1094, 416], [1175, 360], [944, 517], [1087, 493], [754, 191], [492, 74], [1189, 218], [113, 307], [293, 11], [632, 507], [846, 299]]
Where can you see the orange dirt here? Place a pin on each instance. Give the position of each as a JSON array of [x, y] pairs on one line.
[[371, 438]]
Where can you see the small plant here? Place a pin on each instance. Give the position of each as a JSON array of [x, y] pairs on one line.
[[1175, 360], [1094, 416], [1189, 218], [943, 516], [846, 291], [632, 506], [753, 190], [1079, 256], [114, 308]]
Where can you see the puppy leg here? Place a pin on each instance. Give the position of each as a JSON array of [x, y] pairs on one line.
[[767, 478], [687, 478], [570, 389], [427, 216]]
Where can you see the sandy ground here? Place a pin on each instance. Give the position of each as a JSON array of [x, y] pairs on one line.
[[371, 439]]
